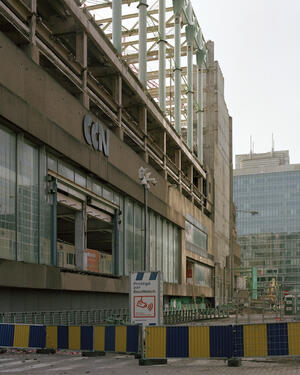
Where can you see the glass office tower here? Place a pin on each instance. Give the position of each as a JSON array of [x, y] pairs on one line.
[[270, 240]]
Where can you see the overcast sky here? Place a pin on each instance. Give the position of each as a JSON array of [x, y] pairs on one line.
[[257, 44]]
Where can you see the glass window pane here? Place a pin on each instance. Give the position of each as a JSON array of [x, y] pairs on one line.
[[159, 251], [138, 238], [28, 202], [97, 188], [7, 194], [107, 194], [80, 179], [129, 236], [171, 253], [152, 244], [45, 213], [121, 237], [176, 254], [52, 162], [66, 171], [165, 251]]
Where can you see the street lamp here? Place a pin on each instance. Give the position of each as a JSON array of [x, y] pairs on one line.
[[144, 176]]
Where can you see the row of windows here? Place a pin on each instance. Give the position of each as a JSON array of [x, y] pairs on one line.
[[26, 212], [196, 239]]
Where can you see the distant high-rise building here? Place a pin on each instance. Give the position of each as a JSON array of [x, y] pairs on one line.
[[266, 191]]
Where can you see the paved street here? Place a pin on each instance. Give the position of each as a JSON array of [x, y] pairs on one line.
[[64, 364]]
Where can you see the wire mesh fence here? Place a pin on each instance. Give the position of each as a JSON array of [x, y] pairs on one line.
[[265, 305]]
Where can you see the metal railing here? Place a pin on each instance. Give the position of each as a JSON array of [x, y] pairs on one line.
[[67, 317], [187, 313], [194, 312]]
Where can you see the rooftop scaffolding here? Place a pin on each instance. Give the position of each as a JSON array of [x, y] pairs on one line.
[[155, 37]]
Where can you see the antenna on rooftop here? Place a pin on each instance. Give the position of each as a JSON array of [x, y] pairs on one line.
[[251, 146]]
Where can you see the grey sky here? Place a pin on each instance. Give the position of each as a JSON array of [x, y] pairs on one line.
[[257, 46]]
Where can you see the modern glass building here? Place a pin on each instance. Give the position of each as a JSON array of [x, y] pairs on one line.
[[270, 239]]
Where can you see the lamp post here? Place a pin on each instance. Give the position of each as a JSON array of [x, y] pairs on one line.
[[146, 179]]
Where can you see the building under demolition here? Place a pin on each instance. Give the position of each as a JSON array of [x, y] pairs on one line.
[[86, 100]]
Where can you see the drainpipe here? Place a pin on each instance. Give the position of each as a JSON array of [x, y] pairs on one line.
[[117, 24], [162, 54], [143, 42], [190, 33], [177, 7], [200, 55]]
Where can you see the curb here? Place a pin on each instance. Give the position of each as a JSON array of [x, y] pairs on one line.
[[45, 351], [152, 361], [98, 353], [234, 362]]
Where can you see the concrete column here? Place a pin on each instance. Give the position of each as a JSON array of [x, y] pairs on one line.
[[32, 49], [117, 24], [164, 140], [200, 54], [143, 42], [190, 33], [162, 54], [81, 57], [178, 164], [191, 179], [177, 7], [80, 236], [143, 126], [117, 95]]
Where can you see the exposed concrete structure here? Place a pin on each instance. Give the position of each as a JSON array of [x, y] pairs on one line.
[[68, 98], [218, 156]]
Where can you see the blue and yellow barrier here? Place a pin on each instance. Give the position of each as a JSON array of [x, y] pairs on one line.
[[122, 339], [253, 340]]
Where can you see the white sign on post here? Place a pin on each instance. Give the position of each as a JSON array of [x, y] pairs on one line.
[[146, 298]]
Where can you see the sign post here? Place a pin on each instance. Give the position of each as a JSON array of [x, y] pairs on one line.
[[146, 300]]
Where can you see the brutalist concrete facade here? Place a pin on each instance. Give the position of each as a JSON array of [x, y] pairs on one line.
[[218, 157], [58, 69]]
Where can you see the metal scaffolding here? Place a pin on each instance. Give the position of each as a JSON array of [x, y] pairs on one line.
[[162, 42]]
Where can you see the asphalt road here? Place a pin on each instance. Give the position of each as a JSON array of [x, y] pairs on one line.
[[64, 363]]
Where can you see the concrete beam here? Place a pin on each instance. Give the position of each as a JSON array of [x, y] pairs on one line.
[[102, 44]]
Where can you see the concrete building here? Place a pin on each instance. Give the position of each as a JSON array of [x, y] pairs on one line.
[[76, 124], [270, 240]]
